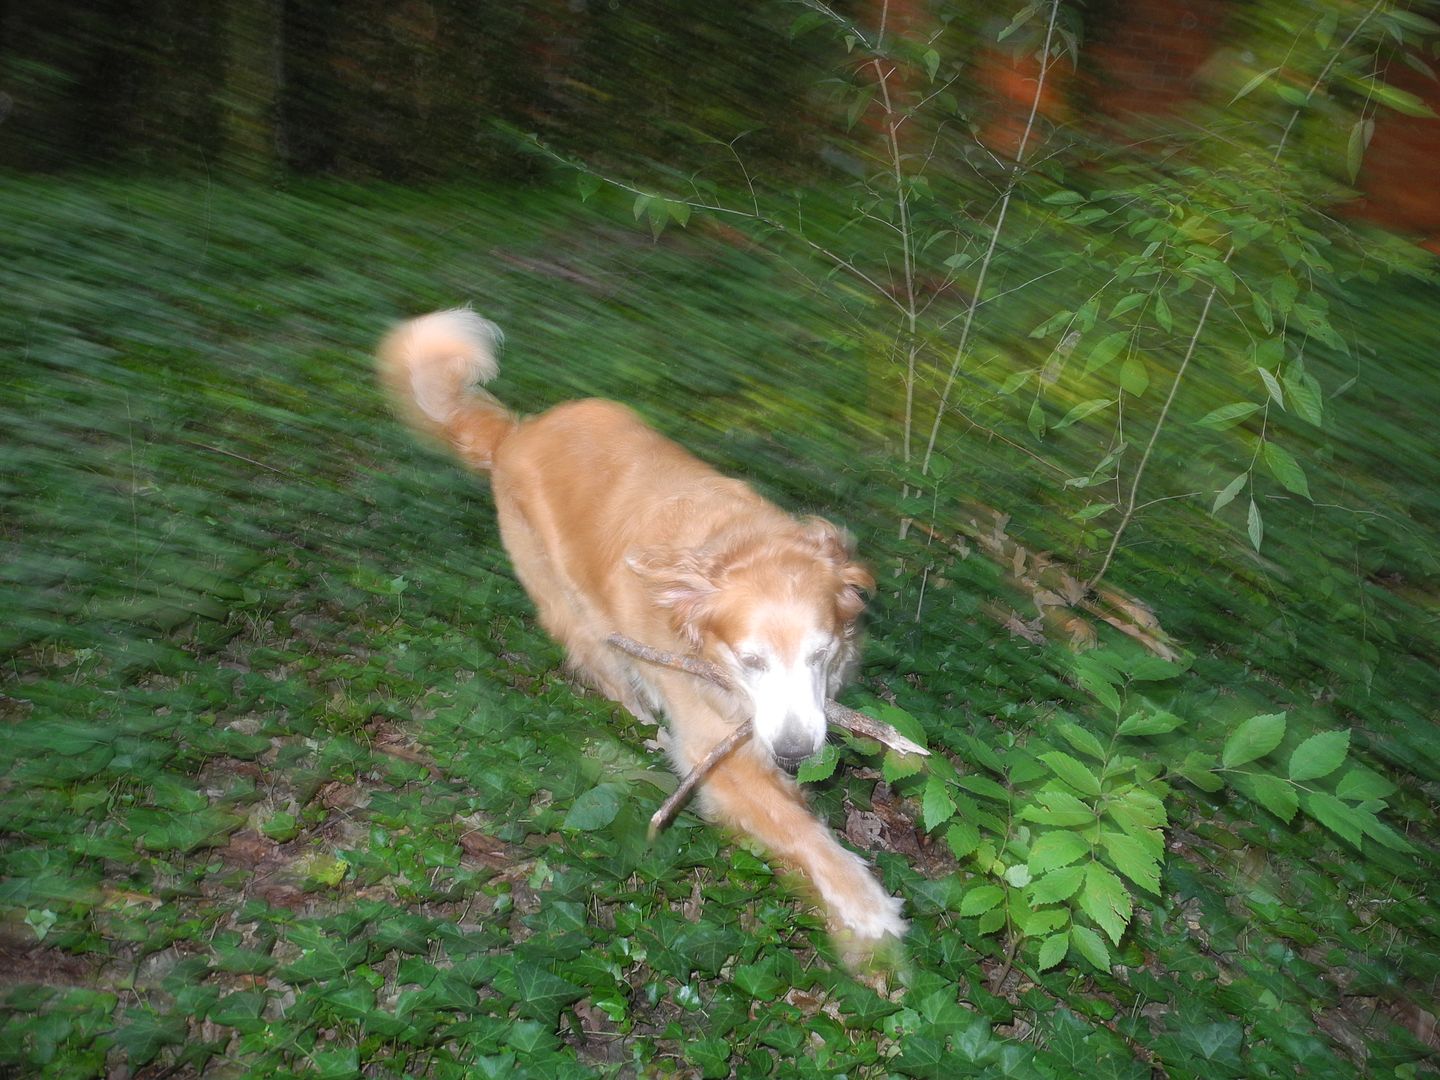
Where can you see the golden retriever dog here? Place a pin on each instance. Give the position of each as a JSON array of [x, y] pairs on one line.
[[613, 528]]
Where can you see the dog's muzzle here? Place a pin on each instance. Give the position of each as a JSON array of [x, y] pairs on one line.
[[792, 748]]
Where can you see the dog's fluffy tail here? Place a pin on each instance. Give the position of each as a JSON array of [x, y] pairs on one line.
[[433, 367]]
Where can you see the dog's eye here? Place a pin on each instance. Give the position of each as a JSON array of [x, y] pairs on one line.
[[751, 662]]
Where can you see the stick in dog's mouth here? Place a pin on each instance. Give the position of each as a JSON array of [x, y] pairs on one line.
[[839, 715]]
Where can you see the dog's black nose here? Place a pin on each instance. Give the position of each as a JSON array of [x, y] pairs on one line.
[[791, 749]]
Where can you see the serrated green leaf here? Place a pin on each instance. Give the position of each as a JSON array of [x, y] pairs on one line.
[[1073, 772], [1338, 817], [1360, 784], [937, 805], [1105, 899], [1254, 526], [1052, 951], [1140, 813], [1098, 683], [1254, 738], [1057, 885], [1199, 768], [983, 786], [1081, 739], [1275, 794], [1319, 755], [963, 838], [897, 766], [981, 899], [1152, 723], [1133, 858], [1090, 945], [1286, 469], [1056, 848], [821, 766]]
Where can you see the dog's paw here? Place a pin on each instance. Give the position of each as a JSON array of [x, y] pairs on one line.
[[862, 910]]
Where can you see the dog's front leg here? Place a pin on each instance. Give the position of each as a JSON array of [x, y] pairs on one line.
[[748, 794]]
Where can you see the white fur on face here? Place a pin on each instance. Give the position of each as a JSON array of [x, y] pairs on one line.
[[787, 688]]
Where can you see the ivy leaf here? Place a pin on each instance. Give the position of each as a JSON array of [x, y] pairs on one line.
[[1056, 848], [541, 993], [1319, 755], [1105, 899], [1253, 739], [1285, 468], [1057, 885], [937, 805], [1052, 951], [1090, 945], [593, 809]]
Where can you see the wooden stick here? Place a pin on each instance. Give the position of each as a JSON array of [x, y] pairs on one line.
[[838, 715], [835, 713], [660, 820]]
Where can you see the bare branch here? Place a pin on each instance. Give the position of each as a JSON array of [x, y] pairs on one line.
[[660, 820]]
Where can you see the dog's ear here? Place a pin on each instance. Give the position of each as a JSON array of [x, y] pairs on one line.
[[681, 580], [837, 547]]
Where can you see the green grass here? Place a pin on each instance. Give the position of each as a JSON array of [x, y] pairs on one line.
[[293, 784]]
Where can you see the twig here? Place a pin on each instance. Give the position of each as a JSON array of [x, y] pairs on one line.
[[835, 713], [660, 820]]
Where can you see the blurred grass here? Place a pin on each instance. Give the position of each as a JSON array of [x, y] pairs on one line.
[[291, 774]]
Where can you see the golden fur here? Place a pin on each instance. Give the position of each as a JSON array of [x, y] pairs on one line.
[[613, 528]]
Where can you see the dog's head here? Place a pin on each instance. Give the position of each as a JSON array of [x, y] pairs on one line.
[[780, 614]]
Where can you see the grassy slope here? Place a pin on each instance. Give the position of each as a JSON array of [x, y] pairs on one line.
[[294, 784]]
